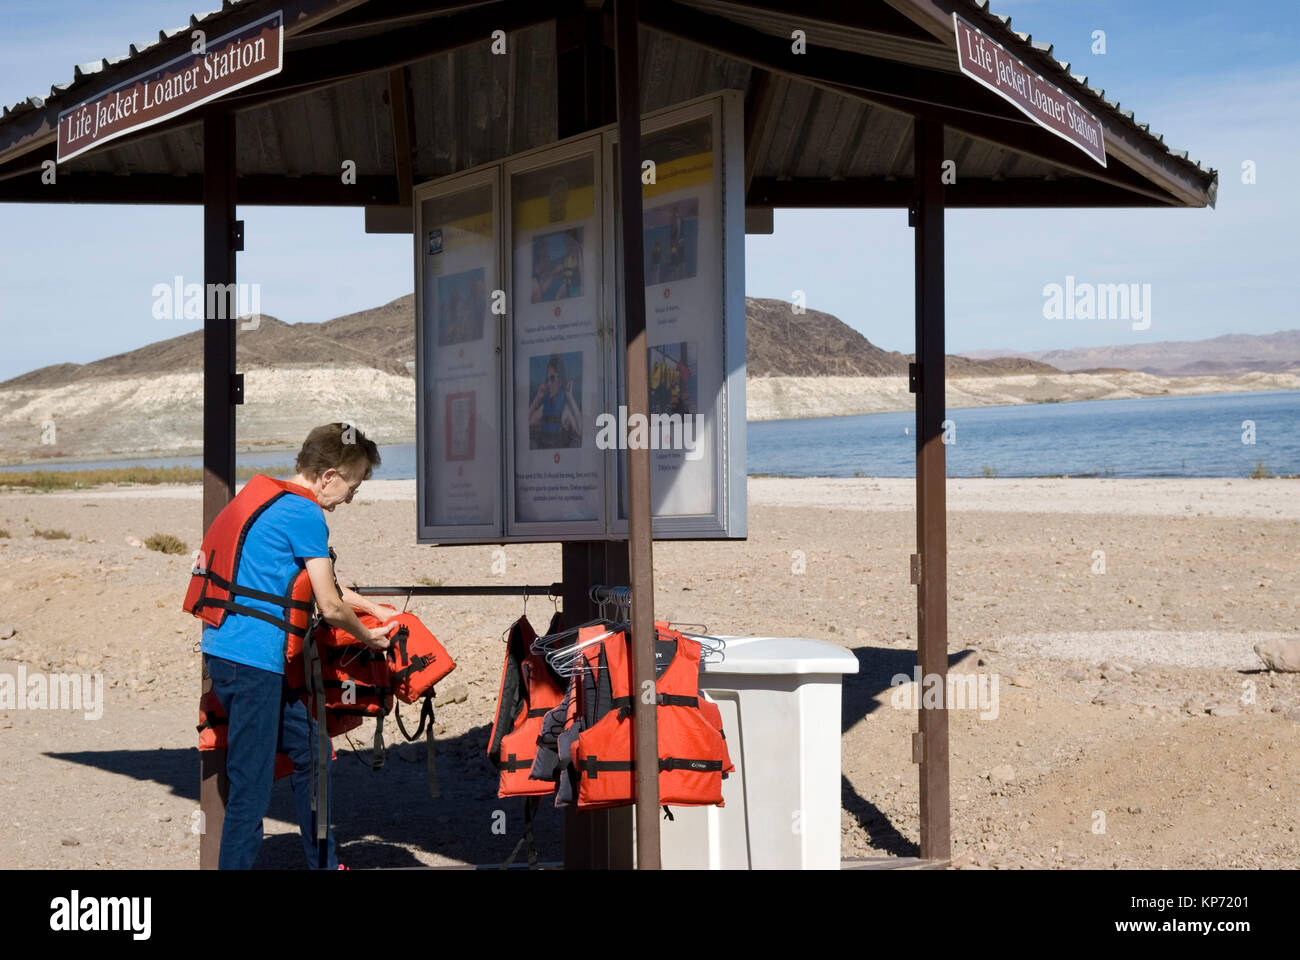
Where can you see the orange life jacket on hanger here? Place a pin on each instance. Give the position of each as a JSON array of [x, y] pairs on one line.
[[416, 660], [356, 678], [692, 750], [529, 690]]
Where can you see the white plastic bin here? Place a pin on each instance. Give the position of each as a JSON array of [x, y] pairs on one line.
[[781, 711]]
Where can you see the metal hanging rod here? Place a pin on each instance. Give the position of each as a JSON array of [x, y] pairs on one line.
[[502, 590], [602, 594]]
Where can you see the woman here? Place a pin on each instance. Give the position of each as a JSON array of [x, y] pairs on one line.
[[244, 655]]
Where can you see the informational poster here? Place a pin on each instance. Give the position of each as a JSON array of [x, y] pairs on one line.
[[684, 328], [524, 430], [558, 367], [460, 382], [683, 286]]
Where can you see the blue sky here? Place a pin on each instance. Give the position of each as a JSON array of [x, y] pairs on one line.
[[1215, 78]]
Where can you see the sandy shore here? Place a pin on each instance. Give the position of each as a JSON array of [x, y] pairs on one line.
[[790, 398], [1192, 574]]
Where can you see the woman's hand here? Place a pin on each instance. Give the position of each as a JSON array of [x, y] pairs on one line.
[[377, 639]]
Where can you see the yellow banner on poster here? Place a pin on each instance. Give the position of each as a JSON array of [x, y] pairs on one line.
[[576, 204], [692, 171]]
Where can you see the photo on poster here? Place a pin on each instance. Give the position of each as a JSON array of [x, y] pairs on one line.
[[672, 241], [460, 425], [462, 306], [557, 265], [673, 378], [555, 411]]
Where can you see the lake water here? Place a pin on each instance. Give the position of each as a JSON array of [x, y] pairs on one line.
[[1197, 436]]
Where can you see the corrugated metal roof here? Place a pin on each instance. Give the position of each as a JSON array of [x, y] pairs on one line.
[[473, 107], [59, 91]]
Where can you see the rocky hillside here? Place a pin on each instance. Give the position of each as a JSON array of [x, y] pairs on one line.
[[780, 344], [382, 337], [1229, 355]]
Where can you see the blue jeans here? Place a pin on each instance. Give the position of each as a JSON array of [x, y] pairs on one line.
[[263, 720]]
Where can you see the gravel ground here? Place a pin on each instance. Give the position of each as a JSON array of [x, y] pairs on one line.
[[1130, 693]]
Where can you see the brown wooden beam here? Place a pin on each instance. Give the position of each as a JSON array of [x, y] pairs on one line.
[[966, 192], [760, 116], [646, 755], [403, 118], [931, 748], [253, 190], [218, 415]]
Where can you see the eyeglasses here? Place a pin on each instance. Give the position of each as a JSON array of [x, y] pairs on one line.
[[352, 487]]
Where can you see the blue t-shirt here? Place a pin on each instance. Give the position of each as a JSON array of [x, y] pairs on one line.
[[289, 531]]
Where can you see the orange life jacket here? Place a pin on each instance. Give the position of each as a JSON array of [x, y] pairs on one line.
[[416, 660], [213, 724], [355, 677], [529, 690], [214, 586], [692, 749]]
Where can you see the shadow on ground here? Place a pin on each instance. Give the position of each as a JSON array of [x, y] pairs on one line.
[[378, 815], [877, 667], [381, 818]]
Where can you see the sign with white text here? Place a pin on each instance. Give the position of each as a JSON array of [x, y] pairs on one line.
[[211, 69], [986, 61]]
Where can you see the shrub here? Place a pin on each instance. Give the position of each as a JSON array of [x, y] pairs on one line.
[[4, 534], [1260, 472], [52, 534], [166, 543], [989, 471]]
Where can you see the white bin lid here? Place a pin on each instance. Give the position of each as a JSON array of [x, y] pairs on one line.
[[790, 655]]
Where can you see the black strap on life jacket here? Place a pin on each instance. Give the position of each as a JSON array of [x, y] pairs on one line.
[[231, 606], [592, 766], [675, 700], [530, 807], [413, 664], [320, 795], [425, 726]]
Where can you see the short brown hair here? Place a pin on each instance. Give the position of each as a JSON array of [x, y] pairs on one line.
[[336, 445]]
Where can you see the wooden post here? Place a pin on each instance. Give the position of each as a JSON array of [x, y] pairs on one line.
[[219, 245], [640, 554], [927, 380], [601, 839]]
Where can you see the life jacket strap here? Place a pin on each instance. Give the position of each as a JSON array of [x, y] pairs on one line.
[[418, 663], [513, 763], [254, 612], [592, 766], [530, 806], [683, 763], [236, 589], [674, 700], [536, 712]]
